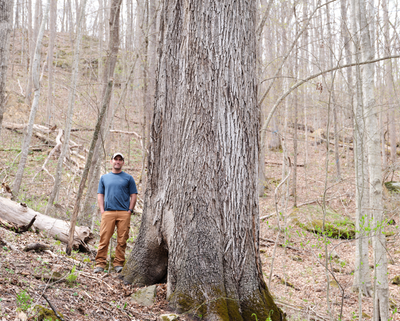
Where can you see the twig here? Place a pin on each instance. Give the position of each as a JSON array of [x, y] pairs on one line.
[[277, 217], [280, 164], [27, 227], [280, 244], [51, 306], [98, 279], [284, 282], [300, 309], [125, 132], [20, 87]]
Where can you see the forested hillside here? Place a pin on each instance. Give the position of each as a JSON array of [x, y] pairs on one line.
[[263, 138]]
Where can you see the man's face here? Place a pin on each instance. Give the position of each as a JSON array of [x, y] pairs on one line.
[[117, 163]]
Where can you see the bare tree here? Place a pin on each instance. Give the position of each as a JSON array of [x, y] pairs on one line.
[[108, 73], [71, 103], [200, 221], [381, 286], [35, 104], [362, 277], [6, 18], [389, 82]]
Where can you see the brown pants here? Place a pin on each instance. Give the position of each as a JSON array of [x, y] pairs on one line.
[[109, 220]]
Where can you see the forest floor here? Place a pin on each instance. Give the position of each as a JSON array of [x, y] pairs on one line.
[[298, 278], [293, 256]]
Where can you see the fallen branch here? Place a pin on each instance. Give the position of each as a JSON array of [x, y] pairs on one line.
[[38, 247], [51, 306], [11, 226], [9, 245], [97, 279], [280, 244], [127, 133], [280, 164], [300, 205], [284, 282], [55, 149]]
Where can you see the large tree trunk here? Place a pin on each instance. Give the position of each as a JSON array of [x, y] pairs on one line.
[[200, 225], [6, 18], [59, 229]]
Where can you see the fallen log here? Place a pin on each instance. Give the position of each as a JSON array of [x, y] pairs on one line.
[[59, 229], [15, 227]]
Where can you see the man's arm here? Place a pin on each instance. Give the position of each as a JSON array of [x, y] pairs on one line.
[[100, 201], [132, 202]]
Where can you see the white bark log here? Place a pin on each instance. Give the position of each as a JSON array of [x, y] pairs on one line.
[[59, 229]]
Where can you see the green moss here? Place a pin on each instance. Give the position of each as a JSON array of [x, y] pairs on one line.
[[195, 304], [337, 229], [396, 280], [42, 313], [262, 305], [63, 63], [366, 315], [393, 187]]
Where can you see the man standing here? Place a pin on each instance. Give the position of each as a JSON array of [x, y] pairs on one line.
[[116, 196]]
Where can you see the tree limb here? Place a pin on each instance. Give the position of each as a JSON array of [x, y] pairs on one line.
[[300, 82]]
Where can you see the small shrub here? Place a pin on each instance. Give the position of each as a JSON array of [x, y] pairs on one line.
[[71, 278], [24, 300]]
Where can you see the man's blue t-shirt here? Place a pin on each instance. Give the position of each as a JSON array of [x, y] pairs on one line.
[[117, 189]]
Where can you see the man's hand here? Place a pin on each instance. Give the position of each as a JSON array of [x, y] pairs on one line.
[[100, 201]]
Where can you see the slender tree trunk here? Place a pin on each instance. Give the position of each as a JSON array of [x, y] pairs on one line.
[[6, 18], [333, 100], [53, 27], [68, 123], [17, 12], [362, 278], [35, 103], [31, 47], [108, 73], [70, 23], [85, 173], [200, 225], [389, 85], [295, 134], [381, 286]]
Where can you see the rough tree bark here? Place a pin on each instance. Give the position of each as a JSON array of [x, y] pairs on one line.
[[6, 18], [200, 224]]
